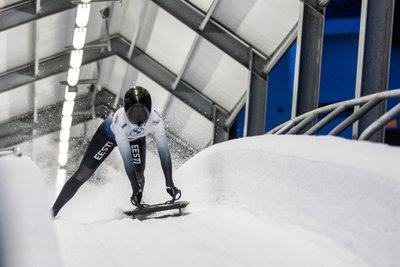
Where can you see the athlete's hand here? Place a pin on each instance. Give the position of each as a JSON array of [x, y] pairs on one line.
[[136, 198], [174, 192]]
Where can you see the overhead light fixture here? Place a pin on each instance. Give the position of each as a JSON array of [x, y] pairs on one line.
[[62, 159], [82, 15], [75, 60], [61, 175], [63, 147], [79, 38], [73, 76], [68, 108], [64, 135], [66, 122], [78, 42], [69, 95]]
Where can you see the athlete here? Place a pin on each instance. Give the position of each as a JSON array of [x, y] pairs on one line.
[[127, 129]]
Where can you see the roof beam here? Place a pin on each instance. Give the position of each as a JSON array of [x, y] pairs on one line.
[[19, 129], [142, 62], [24, 12], [216, 34]]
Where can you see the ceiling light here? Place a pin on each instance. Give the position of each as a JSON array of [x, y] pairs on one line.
[[68, 108], [61, 177], [61, 174], [73, 76], [66, 122], [79, 38], [82, 15], [62, 160], [64, 135], [69, 95], [63, 147], [76, 58]]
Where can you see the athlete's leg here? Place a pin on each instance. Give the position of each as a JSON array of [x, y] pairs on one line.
[[138, 148], [98, 150]]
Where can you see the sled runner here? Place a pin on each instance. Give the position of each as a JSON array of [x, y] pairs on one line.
[[148, 210]]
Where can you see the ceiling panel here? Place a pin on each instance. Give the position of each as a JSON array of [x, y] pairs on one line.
[[96, 26], [55, 33], [159, 95], [216, 75], [203, 5], [161, 36], [49, 91], [4, 3], [126, 17], [117, 16], [15, 102], [262, 23], [16, 47], [113, 73], [87, 72]]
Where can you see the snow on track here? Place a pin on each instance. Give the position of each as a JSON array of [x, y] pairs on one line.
[[269, 200]]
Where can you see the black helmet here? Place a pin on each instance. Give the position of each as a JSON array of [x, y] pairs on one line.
[[137, 105]]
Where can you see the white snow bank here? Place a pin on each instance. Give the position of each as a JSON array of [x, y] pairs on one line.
[[27, 236], [262, 201], [342, 190]]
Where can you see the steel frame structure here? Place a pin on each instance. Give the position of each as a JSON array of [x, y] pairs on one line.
[[259, 65]]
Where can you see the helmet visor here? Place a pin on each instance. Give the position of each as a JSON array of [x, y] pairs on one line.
[[138, 114]]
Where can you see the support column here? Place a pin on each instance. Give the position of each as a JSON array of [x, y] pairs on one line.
[[220, 135], [308, 56], [374, 52], [36, 45], [256, 104]]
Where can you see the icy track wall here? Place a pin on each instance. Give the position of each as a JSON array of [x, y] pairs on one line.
[[27, 237], [347, 191]]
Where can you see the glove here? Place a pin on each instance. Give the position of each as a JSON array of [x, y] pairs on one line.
[[174, 192], [136, 198]]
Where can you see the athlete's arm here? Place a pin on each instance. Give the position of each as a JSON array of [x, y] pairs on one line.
[[164, 153], [125, 151]]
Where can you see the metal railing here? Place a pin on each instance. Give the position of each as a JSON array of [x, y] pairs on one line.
[[304, 123]]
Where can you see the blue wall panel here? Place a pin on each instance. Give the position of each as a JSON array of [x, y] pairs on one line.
[[339, 68], [280, 88]]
